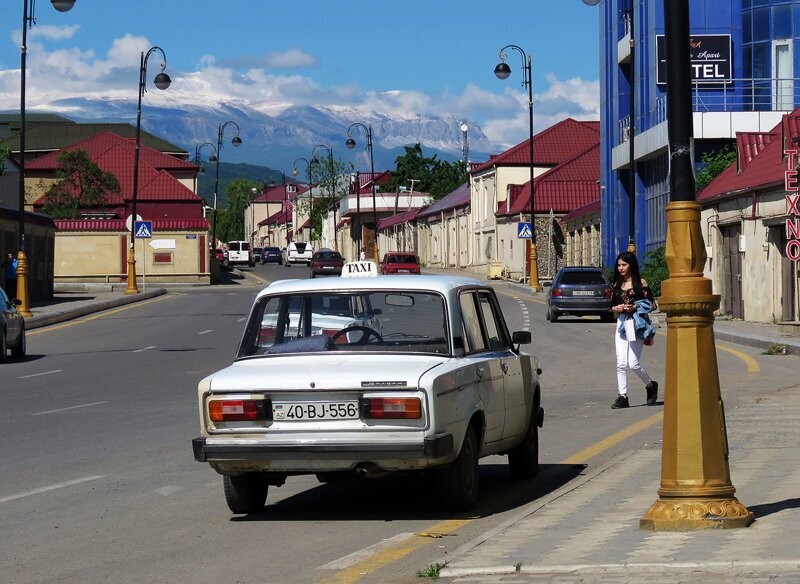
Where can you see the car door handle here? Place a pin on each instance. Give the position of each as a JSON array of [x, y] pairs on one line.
[[504, 367], [479, 372]]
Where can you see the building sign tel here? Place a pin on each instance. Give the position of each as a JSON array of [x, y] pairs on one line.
[[710, 56]]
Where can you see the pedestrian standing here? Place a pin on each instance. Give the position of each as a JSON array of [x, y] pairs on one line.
[[631, 300], [362, 255], [10, 272]]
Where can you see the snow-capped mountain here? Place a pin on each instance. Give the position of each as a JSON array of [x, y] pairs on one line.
[[275, 135]]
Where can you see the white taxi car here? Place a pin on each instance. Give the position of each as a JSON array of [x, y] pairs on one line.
[[435, 385]]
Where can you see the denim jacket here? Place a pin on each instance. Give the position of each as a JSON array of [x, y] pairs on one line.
[[641, 321]]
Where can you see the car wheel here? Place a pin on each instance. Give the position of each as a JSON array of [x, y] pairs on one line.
[[552, 315], [523, 460], [246, 493], [21, 348], [458, 482], [3, 346]]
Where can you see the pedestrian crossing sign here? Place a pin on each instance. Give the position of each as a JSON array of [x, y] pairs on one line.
[[524, 230], [144, 229]]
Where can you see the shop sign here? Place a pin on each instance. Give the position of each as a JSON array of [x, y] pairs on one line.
[[790, 183], [710, 56]]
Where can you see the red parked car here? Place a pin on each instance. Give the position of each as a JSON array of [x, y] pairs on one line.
[[400, 263], [219, 254], [328, 262]]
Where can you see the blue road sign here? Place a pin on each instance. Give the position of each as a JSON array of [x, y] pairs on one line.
[[524, 231], [144, 230]]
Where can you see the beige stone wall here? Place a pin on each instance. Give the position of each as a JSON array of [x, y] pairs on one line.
[[101, 257]]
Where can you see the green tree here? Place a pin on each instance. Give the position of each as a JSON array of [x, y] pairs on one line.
[[655, 269], [80, 184], [230, 221], [712, 164], [431, 175], [324, 176], [5, 154]]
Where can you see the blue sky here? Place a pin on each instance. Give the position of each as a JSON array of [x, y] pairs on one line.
[[400, 57]]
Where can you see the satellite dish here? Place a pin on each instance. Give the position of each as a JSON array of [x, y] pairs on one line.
[[591, 2], [464, 127]]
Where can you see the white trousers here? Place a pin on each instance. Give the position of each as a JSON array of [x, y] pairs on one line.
[[628, 355]]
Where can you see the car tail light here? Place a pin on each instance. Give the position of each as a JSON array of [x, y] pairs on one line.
[[392, 407], [557, 292], [239, 410], [607, 294]]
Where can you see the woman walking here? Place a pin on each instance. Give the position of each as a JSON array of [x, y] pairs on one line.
[[631, 299]]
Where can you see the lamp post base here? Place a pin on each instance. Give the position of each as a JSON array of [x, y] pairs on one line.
[[696, 489], [22, 286], [132, 287]]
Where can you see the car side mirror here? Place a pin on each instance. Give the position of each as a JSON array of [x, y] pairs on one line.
[[521, 337], [16, 302]]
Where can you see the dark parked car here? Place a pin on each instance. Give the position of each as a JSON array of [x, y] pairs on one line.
[[579, 291], [271, 254], [328, 262], [12, 328], [400, 263]]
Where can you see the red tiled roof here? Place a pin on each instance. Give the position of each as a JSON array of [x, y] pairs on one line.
[[554, 145], [765, 169], [749, 144], [592, 207], [563, 188], [365, 181], [278, 193], [119, 225], [399, 218], [280, 217], [346, 221], [458, 198]]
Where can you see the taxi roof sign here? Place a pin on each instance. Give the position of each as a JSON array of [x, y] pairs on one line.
[[362, 269]]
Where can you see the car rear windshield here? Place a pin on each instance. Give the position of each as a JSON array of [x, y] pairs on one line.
[[401, 259], [328, 255], [272, 249], [300, 247], [366, 321], [581, 278], [239, 246]]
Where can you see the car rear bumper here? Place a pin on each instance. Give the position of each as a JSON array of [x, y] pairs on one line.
[[580, 305], [437, 446]]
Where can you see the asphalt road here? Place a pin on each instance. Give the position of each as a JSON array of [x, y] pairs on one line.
[[99, 484]]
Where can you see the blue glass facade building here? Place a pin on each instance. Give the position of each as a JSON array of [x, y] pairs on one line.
[[753, 41]]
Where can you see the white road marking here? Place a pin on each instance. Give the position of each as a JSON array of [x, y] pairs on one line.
[[49, 488], [144, 349], [38, 374], [206, 332], [244, 318], [168, 490], [355, 557], [70, 408]]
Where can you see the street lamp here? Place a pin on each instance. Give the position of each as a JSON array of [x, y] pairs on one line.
[[503, 71], [236, 141], [162, 81], [696, 491], [28, 20], [351, 143], [296, 172], [198, 151], [254, 192], [314, 164], [627, 11]]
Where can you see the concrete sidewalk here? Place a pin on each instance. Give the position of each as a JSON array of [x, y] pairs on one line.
[[753, 334], [66, 306], [587, 531]]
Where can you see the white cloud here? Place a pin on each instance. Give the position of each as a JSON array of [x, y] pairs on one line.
[[52, 32], [73, 73]]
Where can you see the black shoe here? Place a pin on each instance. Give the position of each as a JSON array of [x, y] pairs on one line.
[[621, 402], [652, 393]]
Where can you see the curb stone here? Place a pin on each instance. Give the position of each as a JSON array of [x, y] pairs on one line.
[[253, 279], [57, 317]]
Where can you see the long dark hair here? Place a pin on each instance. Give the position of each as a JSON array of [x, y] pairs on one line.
[[630, 259]]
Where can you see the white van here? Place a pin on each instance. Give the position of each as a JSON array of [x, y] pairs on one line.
[[299, 252], [239, 253]]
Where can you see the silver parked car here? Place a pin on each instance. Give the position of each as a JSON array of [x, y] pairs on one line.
[[366, 375]]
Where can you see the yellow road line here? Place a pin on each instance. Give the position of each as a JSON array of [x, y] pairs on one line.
[[752, 364], [595, 449], [47, 329], [385, 557], [531, 298]]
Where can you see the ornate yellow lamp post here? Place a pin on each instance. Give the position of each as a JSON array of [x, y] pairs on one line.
[[28, 20], [696, 490], [162, 81]]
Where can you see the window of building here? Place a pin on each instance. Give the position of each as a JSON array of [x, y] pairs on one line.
[[782, 21]]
